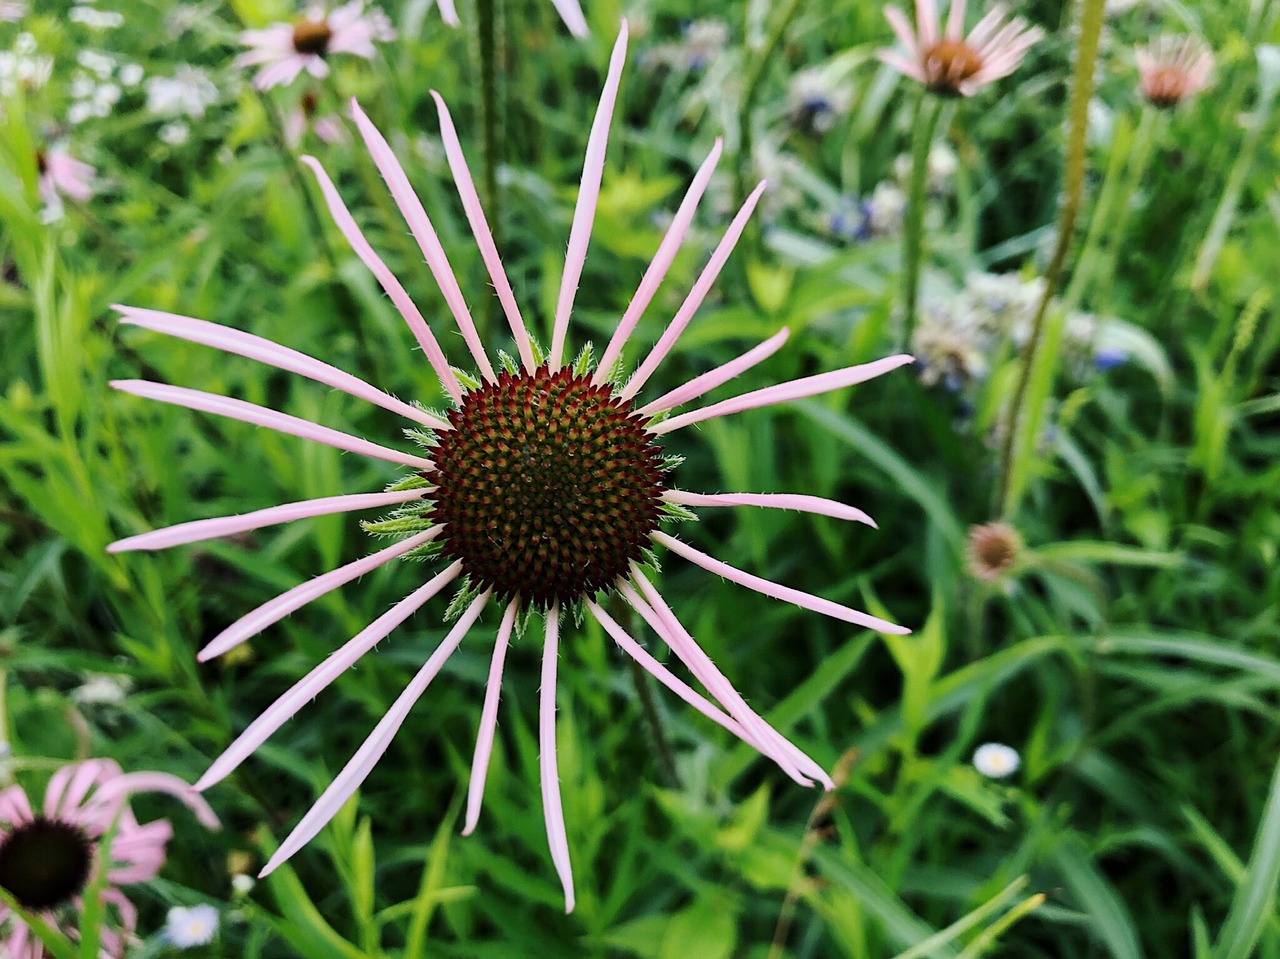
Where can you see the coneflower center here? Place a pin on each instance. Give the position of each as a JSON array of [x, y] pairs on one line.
[[547, 486], [1165, 87], [312, 36], [948, 63], [44, 863]]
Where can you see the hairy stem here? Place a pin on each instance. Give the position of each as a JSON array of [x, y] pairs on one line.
[[928, 109], [1073, 186]]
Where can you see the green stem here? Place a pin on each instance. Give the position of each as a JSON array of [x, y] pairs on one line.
[[1073, 187], [644, 692], [1144, 142], [276, 126], [928, 109], [751, 91]]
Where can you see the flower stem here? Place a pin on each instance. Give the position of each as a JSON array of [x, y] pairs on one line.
[[276, 125], [751, 90], [928, 109], [644, 692], [1073, 187]]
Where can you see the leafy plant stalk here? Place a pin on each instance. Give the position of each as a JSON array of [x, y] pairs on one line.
[[925, 124], [1073, 187]]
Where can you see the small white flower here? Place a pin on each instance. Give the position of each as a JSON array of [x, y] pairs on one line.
[[102, 689], [25, 44], [242, 884], [97, 19], [188, 926], [886, 208], [131, 74], [996, 760], [79, 111], [189, 92], [175, 134], [101, 64]]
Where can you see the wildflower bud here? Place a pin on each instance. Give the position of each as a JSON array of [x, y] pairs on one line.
[[992, 551]]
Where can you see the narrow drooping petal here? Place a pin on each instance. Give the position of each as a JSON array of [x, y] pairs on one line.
[[759, 733], [316, 681], [799, 501], [69, 785], [785, 593], [955, 20], [480, 229], [657, 270], [14, 806], [261, 416], [785, 392], [281, 357], [422, 230], [588, 194], [552, 810], [571, 13], [119, 788], [488, 721], [902, 30], [387, 280], [357, 770], [722, 374], [448, 12], [794, 762], [203, 529], [277, 609], [694, 300], [666, 677]]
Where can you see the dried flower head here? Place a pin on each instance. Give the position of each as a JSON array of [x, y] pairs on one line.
[[48, 857], [951, 64], [542, 489], [284, 50], [993, 549], [1172, 69]]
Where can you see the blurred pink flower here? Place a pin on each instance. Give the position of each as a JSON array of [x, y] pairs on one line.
[[543, 488], [570, 12], [951, 64], [1172, 69], [284, 50], [307, 116], [47, 857], [63, 175]]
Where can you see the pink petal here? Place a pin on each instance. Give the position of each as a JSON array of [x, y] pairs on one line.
[[316, 681], [550, 774], [480, 230], [387, 280], [955, 20], [657, 270], [203, 529], [785, 392], [799, 501], [15, 808], [448, 12], [768, 740], [588, 193], [926, 24], [277, 609], [904, 66], [985, 27], [361, 764], [785, 593], [694, 300], [666, 677], [422, 230], [902, 30], [720, 375], [261, 416], [69, 785], [571, 13], [488, 721], [119, 788]]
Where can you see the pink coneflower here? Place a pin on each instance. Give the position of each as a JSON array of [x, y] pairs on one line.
[[61, 175], [952, 64], [307, 116], [47, 857], [542, 488], [284, 50], [1172, 69]]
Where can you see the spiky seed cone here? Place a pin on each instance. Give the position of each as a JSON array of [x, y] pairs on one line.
[[44, 863], [547, 487]]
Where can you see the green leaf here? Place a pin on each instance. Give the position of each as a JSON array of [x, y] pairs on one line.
[[1255, 899]]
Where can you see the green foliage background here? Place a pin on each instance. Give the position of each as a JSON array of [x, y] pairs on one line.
[[1132, 657]]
